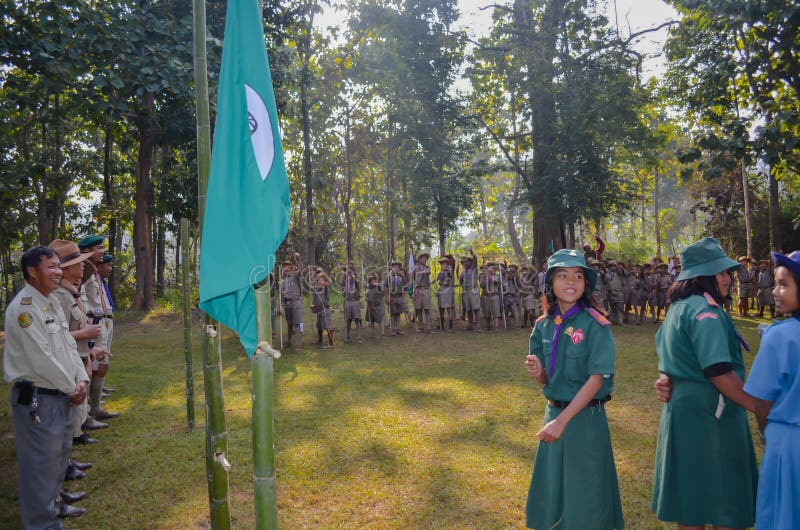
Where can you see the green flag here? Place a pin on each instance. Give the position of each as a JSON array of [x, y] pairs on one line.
[[247, 206]]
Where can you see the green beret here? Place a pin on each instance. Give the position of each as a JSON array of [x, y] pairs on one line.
[[90, 241], [569, 258], [107, 258], [705, 258]]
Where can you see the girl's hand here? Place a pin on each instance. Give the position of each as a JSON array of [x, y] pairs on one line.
[[534, 366], [551, 432], [663, 386]]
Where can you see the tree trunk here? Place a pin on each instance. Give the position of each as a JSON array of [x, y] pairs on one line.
[[144, 296], [161, 254], [656, 216], [108, 198], [775, 235], [305, 108]]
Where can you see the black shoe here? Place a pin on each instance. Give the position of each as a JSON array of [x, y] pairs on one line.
[[81, 466], [108, 390], [83, 439], [65, 510], [105, 395], [103, 414], [73, 474], [92, 424], [70, 498]]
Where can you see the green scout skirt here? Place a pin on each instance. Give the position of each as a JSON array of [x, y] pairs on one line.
[[705, 469], [574, 484]]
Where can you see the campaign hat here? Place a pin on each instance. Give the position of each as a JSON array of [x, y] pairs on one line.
[[569, 258], [68, 252], [705, 257]]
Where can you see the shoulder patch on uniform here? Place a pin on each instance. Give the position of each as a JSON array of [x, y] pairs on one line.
[[705, 315], [599, 317], [26, 301], [24, 319], [540, 319], [710, 300]]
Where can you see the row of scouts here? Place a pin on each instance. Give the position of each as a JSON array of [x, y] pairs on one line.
[[58, 334], [492, 295], [705, 470], [755, 283]]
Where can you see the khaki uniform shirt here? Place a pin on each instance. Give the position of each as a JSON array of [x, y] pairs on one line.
[[74, 313], [38, 346]]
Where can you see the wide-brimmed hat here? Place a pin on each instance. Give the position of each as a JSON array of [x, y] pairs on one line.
[[90, 241], [288, 264], [68, 252], [374, 275], [396, 263], [426, 254], [705, 258], [790, 261], [445, 259], [462, 259], [663, 266], [742, 259], [569, 258]]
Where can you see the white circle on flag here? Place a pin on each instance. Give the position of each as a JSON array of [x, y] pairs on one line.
[[260, 131]]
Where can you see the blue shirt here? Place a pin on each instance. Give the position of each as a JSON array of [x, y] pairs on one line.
[[775, 375]]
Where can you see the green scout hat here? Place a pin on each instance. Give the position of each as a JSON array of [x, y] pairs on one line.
[[705, 258], [569, 258], [790, 261], [107, 258], [90, 241]]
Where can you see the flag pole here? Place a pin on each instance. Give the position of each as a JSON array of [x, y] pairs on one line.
[[263, 422], [217, 465], [187, 322]]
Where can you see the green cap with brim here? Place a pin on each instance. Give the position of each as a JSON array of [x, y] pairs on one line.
[[90, 241], [569, 258], [107, 258], [705, 258]]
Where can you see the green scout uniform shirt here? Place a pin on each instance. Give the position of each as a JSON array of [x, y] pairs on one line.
[[38, 346], [705, 470], [585, 348]]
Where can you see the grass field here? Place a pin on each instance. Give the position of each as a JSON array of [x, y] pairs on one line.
[[419, 431]]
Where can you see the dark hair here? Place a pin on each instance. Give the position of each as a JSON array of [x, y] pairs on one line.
[[548, 299], [33, 257], [697, 285]]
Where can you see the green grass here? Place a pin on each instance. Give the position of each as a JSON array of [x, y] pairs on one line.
[[420, 431]]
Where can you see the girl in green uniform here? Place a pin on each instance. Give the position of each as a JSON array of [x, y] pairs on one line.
[[574, 484], [705, 469]]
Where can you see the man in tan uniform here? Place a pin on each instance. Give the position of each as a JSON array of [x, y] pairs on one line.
[[98, 311], [48, 380]]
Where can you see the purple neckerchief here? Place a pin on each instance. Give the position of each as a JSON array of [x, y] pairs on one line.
[[108, 293], [559, 321]]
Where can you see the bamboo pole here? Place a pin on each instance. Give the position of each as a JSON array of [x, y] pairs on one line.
[[216, 432], [263, 423], [186, 292]]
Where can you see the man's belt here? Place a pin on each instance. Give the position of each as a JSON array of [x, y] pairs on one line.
[[564, 404], [47, 391], [110, 317]]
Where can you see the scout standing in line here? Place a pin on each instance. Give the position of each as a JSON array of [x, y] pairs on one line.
[[48, 380], [292, 301], [511, 294], [84, 333], [348, 281], [616, 296], [490, 296], [650, 290], [599, 292], [320, 284], [421, 285], [375, 300], [446, 293], [529, 288], [638, 297], [765, 284], [98, 310], [745, 279], [663, 282], [571, 354], [396, 292], [470, 283]]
